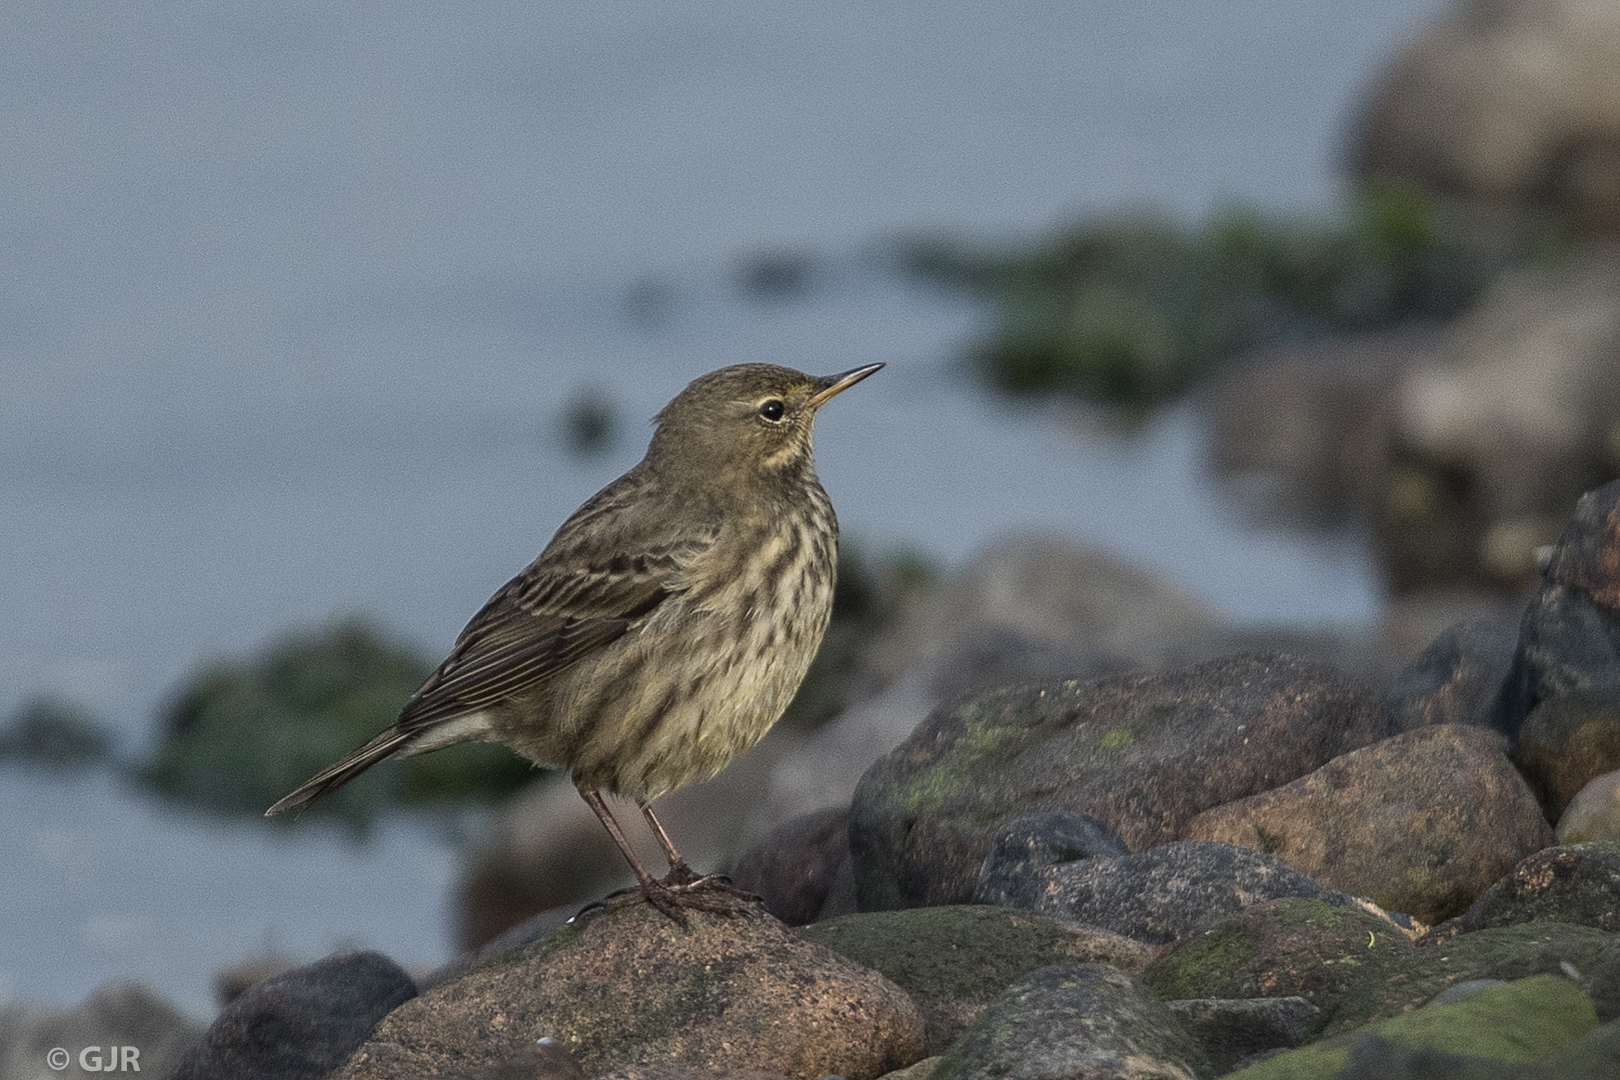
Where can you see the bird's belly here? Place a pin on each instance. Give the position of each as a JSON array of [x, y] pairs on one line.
[[676, 701]]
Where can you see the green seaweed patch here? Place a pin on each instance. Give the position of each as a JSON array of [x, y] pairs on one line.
[[1117, 739]]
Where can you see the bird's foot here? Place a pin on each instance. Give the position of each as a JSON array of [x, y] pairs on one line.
[[674, 898]]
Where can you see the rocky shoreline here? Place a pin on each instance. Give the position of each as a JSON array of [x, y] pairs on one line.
[[1254, 865]]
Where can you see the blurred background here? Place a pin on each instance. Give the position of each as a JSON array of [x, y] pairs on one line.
[[1261, 323]]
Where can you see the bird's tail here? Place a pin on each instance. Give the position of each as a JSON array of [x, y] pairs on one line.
[[387, 744]]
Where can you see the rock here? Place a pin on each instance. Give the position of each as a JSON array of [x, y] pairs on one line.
[[1575, 883], [1506, 104], [630, 987], [1027, 609], [1354, 967], [1465, 989], [953, 960], [677, 1072], [823, 770], [302, 1023], [1456, 679], [1078, 1021], [236, 979], [1142, 753], [1519, 1022], [118, 1014], [1420, 823], [1232, 1029], [1566, 673], [1283, 948], [542, 1060], [1567, 742], [1502, 428], [1032, 843], [793, 868], [1604, 988], [544, 849], [1594, 813], [923, 1070], [1163, 894], [1591, 1055]]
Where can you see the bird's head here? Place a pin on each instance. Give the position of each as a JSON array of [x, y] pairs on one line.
[[756, 417]]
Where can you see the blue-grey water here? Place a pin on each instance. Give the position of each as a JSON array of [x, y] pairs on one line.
[[293, 297]]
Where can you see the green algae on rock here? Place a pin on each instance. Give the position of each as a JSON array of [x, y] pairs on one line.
[[953, 960]]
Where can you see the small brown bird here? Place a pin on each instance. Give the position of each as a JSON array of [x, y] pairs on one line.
[[665, 627]]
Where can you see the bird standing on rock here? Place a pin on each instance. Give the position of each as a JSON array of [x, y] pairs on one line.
[[665, 627]]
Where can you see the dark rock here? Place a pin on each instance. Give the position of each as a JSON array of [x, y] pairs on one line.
[[1165, 893], [630, 987], [841, 898], [1232, 1030], [1077, 1021], [1031, 843], [1457, 679], [301, 1024], [953, 960], [117, 1014], [1354, 967], [1569, 740], [793, 868], [233, 981], [1604, 989], [1141, 753], [1575, 883], [1569, 639], [1420, 823], [1480, 1038]]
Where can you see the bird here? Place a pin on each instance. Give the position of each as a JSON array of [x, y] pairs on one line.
[[665, 627]]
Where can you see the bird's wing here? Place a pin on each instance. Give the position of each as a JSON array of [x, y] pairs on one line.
[[572, 602]]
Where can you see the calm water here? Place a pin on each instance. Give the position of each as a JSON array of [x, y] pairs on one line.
[[293, 298]]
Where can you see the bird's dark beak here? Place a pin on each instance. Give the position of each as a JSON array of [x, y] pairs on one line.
[[833, 385]]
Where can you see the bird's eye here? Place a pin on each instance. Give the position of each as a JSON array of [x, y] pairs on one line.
[[772, 410]]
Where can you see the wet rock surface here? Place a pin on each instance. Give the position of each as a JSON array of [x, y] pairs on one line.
[[301, 1024]]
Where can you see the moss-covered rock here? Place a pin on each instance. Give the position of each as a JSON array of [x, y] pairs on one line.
[[1357, 968], [1523, 1021], [1143, 754], [1326, 955], [1074, 1020], [953, 960], [1574, 883]]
